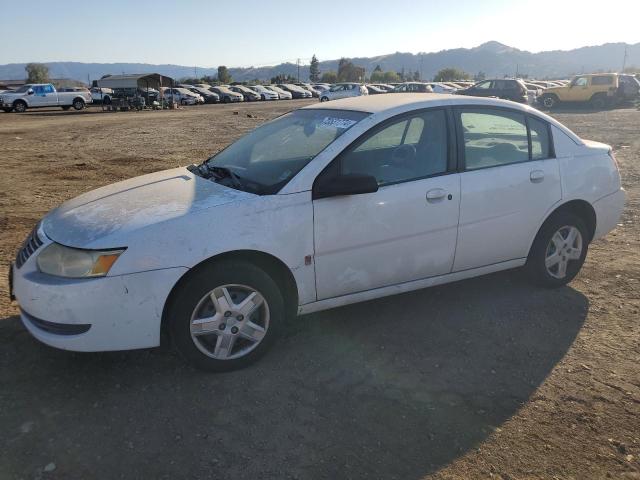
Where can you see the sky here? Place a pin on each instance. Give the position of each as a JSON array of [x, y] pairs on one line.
[[260, 33]]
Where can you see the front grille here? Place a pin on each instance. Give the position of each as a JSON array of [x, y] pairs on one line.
[[30, 245]]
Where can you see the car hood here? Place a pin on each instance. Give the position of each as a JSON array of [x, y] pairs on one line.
[[106, 216]]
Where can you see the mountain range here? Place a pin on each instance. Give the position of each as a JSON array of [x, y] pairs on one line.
[[492, 58]]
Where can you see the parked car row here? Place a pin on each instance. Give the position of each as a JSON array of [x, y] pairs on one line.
[[600, 90]]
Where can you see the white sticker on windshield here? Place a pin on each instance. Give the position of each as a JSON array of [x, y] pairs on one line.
[[336, 122]]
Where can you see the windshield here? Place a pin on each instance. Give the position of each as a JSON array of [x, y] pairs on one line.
[[264, 160], [23, 88]]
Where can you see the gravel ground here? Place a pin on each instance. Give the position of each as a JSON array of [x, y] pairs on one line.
[[485, 378]]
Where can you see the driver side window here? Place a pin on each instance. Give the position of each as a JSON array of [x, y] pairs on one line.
[[580, 82], [410, 148]]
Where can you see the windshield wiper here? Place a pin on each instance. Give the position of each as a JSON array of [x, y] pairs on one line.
[[227, 172]]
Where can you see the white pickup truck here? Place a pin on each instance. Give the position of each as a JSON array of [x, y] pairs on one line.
[[38, 95]]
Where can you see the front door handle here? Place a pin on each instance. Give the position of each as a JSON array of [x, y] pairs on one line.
[[536, 176], [435, 194]]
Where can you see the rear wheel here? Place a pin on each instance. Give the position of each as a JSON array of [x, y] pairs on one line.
[[66, 107], [598, 101], [226, 317], [559, 250], [19, 106]]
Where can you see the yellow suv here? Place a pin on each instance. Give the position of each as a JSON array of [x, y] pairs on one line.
[[599, 89]]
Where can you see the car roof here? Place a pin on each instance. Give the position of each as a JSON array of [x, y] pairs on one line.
[[380, 103]]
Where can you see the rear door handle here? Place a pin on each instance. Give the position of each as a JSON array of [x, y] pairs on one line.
[[435, 194], [536, 176]]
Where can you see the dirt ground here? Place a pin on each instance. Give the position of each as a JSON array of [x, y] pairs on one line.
[[486, 378]]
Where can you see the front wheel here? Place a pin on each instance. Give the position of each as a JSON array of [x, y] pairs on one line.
[[549, 101], [559, 250], [227, 316], [78, 104], [324, 99], [19, 106]]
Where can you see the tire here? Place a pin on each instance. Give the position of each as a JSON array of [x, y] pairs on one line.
[[106, 101], [78, 104], [263, 98], [226, 100], [66, 107], [249, 338], [550, 101], [7, 109], [598, 101], [324, 99], [19, 106], [550, 252]]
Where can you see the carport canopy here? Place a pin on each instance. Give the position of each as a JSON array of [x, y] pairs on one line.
[[142, 81]]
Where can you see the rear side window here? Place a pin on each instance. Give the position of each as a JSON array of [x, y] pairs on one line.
[[540, 141], [493, 138], [602, 80]]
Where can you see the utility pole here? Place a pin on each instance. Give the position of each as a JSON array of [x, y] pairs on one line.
[[421, 59], [298, 63], [195, 72]]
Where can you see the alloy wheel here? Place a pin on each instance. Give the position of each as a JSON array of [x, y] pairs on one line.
[[230, 321], [565, 246]]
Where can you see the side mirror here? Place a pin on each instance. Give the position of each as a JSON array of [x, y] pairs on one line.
[[350, 184], [30, 91]]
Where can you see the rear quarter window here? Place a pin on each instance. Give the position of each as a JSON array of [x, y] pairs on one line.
[[602, 80]]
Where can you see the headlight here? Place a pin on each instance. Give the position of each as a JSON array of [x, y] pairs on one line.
[[68, 262]]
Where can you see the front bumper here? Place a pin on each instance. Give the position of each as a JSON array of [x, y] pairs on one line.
[[608, 212], [93, 314]]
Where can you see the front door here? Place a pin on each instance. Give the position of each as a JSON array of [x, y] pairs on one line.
[[407, 229]]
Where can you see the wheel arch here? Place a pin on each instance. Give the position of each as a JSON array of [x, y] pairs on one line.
[[78, 98], [581, 208], [275, 267]]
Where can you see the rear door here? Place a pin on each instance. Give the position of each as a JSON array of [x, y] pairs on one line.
[[509, 181]]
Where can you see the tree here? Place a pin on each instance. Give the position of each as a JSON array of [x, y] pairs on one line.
[[314, 69], [480, 76], [37, 73], [282, 78], [348, 72], [223, 74], [377, 77], [329, 77], [450, 74], [378, 68], [391, 77]]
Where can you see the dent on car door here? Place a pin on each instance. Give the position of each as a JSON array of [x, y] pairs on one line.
[[407, 229], [508, 185]]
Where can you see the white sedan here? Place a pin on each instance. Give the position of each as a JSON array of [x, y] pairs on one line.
[[325, 206], [264, 92]]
